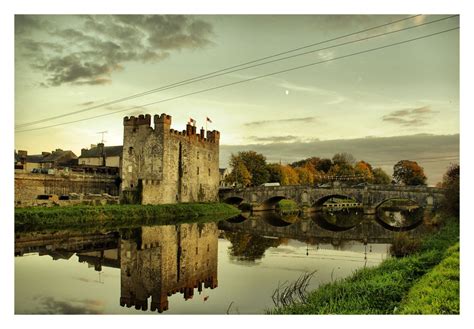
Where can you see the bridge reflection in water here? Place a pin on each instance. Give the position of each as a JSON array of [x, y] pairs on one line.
[[329, 226]]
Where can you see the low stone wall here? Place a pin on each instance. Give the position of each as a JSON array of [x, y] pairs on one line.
[[28, 185]]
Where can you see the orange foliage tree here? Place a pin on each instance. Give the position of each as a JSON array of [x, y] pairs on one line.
[[409, 173]]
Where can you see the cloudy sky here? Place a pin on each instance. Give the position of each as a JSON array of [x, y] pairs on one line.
[[68, 66]]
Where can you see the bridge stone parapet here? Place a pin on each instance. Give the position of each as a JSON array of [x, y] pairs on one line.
[[371, 196]]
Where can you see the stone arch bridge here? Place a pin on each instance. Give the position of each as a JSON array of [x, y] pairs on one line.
[[369, 197]]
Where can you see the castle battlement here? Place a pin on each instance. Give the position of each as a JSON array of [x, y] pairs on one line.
[[135, 121], [163, 122], [162, 119]]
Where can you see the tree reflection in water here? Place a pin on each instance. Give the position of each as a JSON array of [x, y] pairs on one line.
[[249, 247]]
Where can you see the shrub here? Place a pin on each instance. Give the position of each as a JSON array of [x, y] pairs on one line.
[[404, 245]]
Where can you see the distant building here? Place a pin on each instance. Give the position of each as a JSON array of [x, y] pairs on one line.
[[163, 165], [59, 158], [45, 160], [101, 155], [223, 173]]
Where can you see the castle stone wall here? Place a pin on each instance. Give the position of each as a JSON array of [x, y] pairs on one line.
[[169, 166], [29, 186]]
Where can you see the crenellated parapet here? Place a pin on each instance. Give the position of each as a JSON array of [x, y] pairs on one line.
[[137, 121], [213, 136], [163, 122]]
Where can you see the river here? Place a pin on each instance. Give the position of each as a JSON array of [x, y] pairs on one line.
[[231, 266]]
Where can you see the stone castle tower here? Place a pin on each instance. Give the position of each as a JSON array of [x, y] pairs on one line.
[[162, 165]]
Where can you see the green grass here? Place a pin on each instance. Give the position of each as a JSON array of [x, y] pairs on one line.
[[438, 291], [378, 290], [113, 216], [287, 205]]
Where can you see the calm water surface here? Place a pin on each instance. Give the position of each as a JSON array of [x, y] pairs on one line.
[[212, 268]]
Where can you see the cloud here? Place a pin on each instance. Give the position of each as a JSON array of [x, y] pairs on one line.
[[51, 305], [26, 24], [94, 47], [275, 139], [280, 121], [410, 117]]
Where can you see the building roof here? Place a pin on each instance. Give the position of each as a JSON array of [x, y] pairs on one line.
[[34, 158], [57, 155], [95, 152], [45, 157]]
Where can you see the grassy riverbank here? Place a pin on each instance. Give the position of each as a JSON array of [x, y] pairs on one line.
[[39, 218], [438, 291], [396, 285]]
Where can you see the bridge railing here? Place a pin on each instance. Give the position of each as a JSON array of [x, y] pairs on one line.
[[369, 187]]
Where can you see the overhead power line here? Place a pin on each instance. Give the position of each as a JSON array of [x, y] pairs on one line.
[[179, 83], [250, 79], [227, 70]]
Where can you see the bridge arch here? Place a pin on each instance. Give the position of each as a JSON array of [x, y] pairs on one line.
[[326, 225], [237, 219], [274, 219], [400, 228], [270, 204], [397, 228], [319, 202], [397, 198], [234, 200]]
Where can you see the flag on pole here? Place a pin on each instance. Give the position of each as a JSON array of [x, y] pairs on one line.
[[192, 121], [209, 120]]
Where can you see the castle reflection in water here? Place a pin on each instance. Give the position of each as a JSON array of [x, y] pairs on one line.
[[154, 261]]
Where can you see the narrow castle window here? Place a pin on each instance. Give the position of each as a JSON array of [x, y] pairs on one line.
[[209, 171], [198, 170], [196, 250], [209, 156], [130, 150], [198, 154]]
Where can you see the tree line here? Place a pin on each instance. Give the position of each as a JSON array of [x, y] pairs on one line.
[[250, 168]]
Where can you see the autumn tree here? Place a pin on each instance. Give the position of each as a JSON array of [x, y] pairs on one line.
[[324, 165], [305, 175], [381, 177], [364, 170], [256, 165], [451, 192], [240, 174], [289, 176], [313, 161], [341, 169], [343, 158], [409, 173], [274, 172]]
